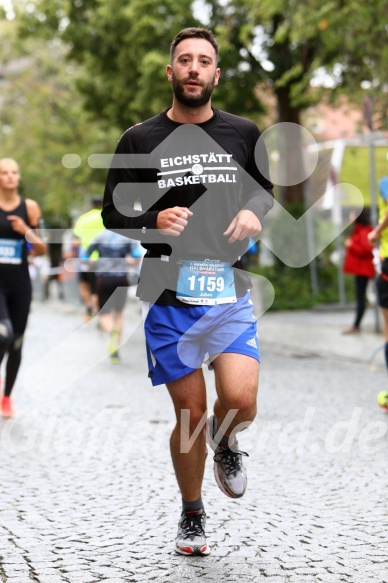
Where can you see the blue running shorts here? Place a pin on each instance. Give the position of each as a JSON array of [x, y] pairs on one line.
[[180, 339]]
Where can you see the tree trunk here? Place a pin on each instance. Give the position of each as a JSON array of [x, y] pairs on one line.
[[291, 152]]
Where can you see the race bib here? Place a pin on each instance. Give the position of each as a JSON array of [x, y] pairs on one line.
[[11, 251], [206, 283]]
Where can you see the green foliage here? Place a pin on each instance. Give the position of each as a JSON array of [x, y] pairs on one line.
[[293, 289], [280, 42], [41, 120], [356, 168], [118, 51], [293, 286], [124, 48], [288, 42]]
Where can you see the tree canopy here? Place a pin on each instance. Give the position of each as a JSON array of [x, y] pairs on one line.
[[114, 53], [285, 44], [42, 120]]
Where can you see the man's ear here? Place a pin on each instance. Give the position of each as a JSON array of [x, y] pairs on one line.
[[169, 72]]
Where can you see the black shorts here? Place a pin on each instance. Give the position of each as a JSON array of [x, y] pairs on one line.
[[382, 290], [112, 293], [88, 277]]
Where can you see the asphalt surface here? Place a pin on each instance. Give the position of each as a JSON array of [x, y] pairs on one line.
[[87, 488]]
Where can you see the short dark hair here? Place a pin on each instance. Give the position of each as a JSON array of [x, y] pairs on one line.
[[364, 217], [193, 32], [96, 201]]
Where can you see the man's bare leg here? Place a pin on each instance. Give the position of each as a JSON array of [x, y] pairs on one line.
[[189, 393], [237, 380], [235, 408]]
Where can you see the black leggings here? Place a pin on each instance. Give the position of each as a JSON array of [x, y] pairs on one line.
[[14, 310], [361, 283]]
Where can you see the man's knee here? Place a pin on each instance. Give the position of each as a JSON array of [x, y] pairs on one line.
[[194, 419], [250, 411], [243, 402]]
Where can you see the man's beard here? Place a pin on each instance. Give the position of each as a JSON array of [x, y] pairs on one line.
[[192, 100]]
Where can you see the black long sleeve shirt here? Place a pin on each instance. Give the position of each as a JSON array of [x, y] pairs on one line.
[[216, 169]]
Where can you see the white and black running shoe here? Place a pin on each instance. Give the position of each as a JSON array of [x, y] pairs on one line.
[[191, 538], [229, 472]]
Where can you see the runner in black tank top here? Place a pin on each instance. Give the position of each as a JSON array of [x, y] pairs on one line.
[[17, 216]]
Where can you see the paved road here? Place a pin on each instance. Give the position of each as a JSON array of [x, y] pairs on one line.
[[87, 489]]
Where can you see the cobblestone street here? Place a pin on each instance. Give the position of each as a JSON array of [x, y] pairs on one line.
[[88, 492]]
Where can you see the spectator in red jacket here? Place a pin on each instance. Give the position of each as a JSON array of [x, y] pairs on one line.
[[359, 262]]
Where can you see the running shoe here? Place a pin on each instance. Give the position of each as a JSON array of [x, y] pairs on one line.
[[113, 344], [382, 399], [88, 315], [191, 538], [115, 357], [6, 407], [229, 472]]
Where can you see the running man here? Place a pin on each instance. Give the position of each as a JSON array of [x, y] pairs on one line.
[[198, 210], [18, 217], [116, 255]]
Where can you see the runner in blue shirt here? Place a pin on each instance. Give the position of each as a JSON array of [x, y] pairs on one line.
[[116, 256]]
